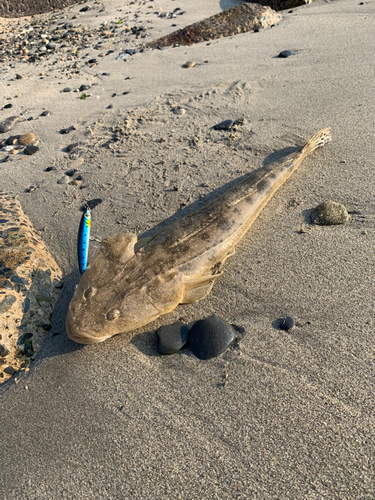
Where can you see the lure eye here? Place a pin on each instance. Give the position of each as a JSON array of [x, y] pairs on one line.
[[90, 292], [113, 314]]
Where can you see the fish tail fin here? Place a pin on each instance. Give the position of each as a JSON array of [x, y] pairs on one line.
[[319, 139]]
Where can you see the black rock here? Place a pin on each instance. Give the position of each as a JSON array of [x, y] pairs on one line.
[[28, 349], [285, 53], [45, 113], [210, 337], [130, 52], [64, 131], [3, 351], [19, 280], [49, 169], [9, 370], [7, 106], [71, 172], [92, 61], [84, 87], [18, 77], [287, 323], [85, 8], [24, 338], [31, 150], [26, 305], [172, 338], [225, 125]]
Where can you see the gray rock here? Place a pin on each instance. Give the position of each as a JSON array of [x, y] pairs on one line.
[[19, 280], [7, 303], [45, 113], [172, 338], [64, 180], [84, 87], [72, 146], [67, 89], [210, 337], [8, 124], [3, 351], [285, 53], [330, 213]]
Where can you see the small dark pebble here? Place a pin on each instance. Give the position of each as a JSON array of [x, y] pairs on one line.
[[210, 337], [114, 95], [92, 61], [50, 169], [24, 338], [64, 131], [130, 51], [8, 106], [9, 370], [47, 327], [30, 119], [285, 53], [85, 8], [256, 30], [30, 150], [110, 106], [84, 87], [7, 158], [126, 93], [18, 77], [45, 113], [3, 351], [225, 125], [159, 48], [3, 221], [71, 172], [172, 338], [28, 349], [287, 323], [26, 305]]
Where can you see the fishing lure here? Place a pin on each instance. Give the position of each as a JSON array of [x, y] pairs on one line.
[[83, 240]]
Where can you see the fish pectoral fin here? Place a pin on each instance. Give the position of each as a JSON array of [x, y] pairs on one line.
[[119, 247], [197, 288]]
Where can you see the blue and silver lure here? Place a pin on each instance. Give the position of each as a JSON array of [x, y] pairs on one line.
[[83, 240]]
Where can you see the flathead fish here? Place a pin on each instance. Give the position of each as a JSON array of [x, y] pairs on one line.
[[132, 282]]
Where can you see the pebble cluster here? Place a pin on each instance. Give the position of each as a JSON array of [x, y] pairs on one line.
[[208, 338], [30, 280]]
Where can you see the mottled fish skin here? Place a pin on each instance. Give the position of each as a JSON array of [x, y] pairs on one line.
[[131, 282]]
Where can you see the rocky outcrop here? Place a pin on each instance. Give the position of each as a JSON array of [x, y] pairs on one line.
[[14, 8], [30, 280], [281, 4]]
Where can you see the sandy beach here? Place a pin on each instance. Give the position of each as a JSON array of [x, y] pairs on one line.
[[281, 414]]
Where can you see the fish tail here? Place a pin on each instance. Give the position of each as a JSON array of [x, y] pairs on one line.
[[319, 139]]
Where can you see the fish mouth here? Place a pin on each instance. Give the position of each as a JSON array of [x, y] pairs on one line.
[[73, 334]]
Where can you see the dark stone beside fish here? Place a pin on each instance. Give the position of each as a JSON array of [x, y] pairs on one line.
[[210, 337], [31, 150], [172, 338]]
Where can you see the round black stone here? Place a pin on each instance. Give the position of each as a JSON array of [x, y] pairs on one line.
[[84, 87], [24, 338], [30, 150], [210, 337], [285, 53], [225, 125], [287, 323], [172, 338], [45, 113]]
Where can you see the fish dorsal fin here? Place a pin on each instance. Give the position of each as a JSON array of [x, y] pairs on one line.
[[119, 247], [197, 288]]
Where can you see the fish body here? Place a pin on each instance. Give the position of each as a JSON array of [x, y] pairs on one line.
[[131, 282], [83, 240]]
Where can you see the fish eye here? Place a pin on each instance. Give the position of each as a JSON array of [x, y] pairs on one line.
[[90, 292], [113, 314]]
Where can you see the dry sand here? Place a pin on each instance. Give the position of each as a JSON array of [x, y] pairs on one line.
[[295, 419]]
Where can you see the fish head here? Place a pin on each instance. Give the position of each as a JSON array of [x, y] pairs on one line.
[[118, 293]]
